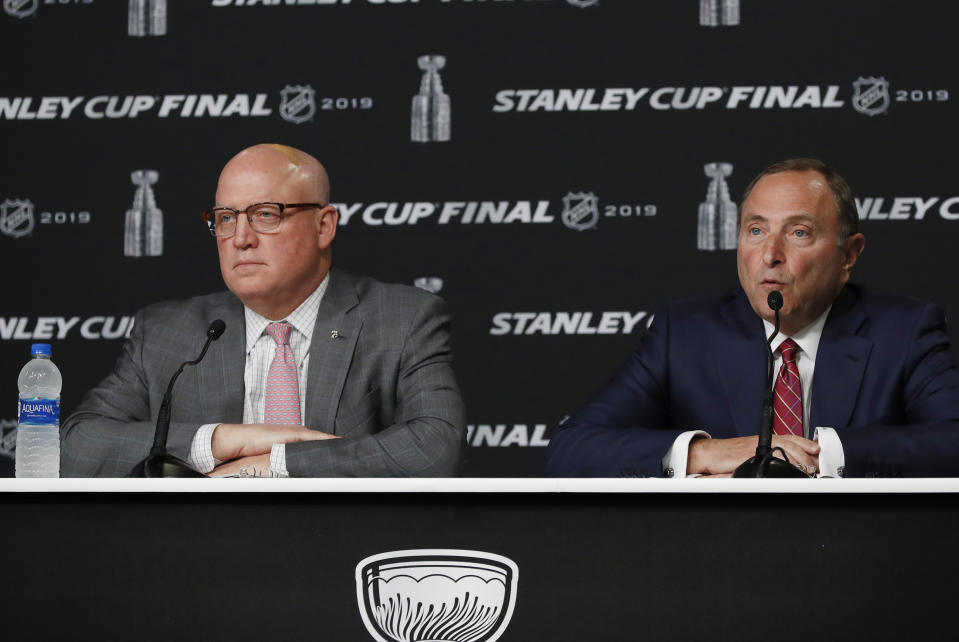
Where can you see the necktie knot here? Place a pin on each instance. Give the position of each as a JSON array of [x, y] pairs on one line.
[[788, 349], [280, 331]]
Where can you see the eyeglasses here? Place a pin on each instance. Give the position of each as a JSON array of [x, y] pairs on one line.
[[264, 218]]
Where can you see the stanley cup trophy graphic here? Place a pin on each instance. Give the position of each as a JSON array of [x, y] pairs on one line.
[[143, 233], [430, 119], [717, 215], [713, 13], [147, 18], [436, 595]]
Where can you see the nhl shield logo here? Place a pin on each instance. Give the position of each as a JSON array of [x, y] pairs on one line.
[[16, 217], [297, 103], [20, 8], [580, 211], [8, 438], [870, 95]]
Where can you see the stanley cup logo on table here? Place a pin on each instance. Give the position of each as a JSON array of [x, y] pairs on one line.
[[713, 13], [717, 215], [147, 18], [436, 595], [143, 232], [430, 117]]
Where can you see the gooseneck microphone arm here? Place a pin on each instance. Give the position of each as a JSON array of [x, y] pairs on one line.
[[160, 463], [764, 464], [163, 417]]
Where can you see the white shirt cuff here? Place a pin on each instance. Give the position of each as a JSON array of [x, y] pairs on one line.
[[278, 461], [832, 459], [678, 455], [201, 449]]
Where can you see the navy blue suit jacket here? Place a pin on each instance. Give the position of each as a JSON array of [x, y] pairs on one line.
[[884, 379]]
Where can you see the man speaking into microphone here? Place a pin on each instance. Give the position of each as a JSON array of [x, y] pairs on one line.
[[317, 373], [864, 383]]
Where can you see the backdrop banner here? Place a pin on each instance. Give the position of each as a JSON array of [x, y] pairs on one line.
[[555, 169]]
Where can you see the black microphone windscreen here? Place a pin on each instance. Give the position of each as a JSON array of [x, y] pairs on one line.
[[218, 327], [775, 300]]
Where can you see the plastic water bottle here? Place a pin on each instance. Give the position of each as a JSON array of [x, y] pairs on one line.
[[38, 416]]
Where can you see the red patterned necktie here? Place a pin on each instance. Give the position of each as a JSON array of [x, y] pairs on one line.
[[787, 402], [282, 389]]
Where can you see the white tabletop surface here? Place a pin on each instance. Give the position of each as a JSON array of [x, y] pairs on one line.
[[480, 485]]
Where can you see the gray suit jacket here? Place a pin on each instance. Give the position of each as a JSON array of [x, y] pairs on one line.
[[385, 386]]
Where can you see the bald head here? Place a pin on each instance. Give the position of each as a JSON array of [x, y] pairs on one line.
[[269, 166]]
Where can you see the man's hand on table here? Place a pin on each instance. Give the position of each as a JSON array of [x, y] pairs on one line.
[[256, 466], [238, 441], [720, 457]]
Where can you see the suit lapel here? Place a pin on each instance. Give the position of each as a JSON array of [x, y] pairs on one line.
[[739, 355], [331, 351], [840, 363], [220, 375]]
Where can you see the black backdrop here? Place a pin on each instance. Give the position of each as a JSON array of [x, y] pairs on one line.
[[65, 185]]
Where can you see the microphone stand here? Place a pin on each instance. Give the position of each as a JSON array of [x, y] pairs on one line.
[[764, 463], [160, 463]]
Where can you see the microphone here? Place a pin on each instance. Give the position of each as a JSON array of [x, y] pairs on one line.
[[764, 464], [160, 463], [775, 303]]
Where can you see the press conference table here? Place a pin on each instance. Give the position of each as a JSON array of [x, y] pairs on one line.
[[632, 559]]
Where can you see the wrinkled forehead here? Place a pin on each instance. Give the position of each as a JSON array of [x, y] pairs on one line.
[[791, 194]]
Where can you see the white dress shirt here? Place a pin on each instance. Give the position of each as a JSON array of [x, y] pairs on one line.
[[260, 349], [831, 456]]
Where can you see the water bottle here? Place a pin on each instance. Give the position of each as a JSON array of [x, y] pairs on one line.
[[38, 416]]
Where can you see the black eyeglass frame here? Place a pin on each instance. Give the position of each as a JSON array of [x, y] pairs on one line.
[[210, 219]]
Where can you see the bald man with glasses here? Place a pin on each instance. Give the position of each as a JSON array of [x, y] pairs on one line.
[[319, 373]]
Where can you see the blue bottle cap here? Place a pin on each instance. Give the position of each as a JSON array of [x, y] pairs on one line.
[[40, 349]]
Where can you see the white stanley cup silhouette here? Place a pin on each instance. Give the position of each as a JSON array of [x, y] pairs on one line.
[[436, 595], [147, 18], [713, 13], [717, 229], [430, 117], [143, 231]]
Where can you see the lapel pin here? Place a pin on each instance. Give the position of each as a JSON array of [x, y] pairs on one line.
[[335, 334]]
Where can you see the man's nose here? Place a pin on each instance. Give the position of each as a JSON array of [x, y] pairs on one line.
[[773, 250], [244, 235]]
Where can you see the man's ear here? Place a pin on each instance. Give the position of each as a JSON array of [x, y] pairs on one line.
[[326, 221], [854, 246]]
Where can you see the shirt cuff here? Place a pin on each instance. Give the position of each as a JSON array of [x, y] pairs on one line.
[[201, 450], [674, 463], [278, 461], [832, 459]]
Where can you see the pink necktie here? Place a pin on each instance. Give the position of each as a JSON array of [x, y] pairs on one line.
[[282, 389], [787, 401]]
